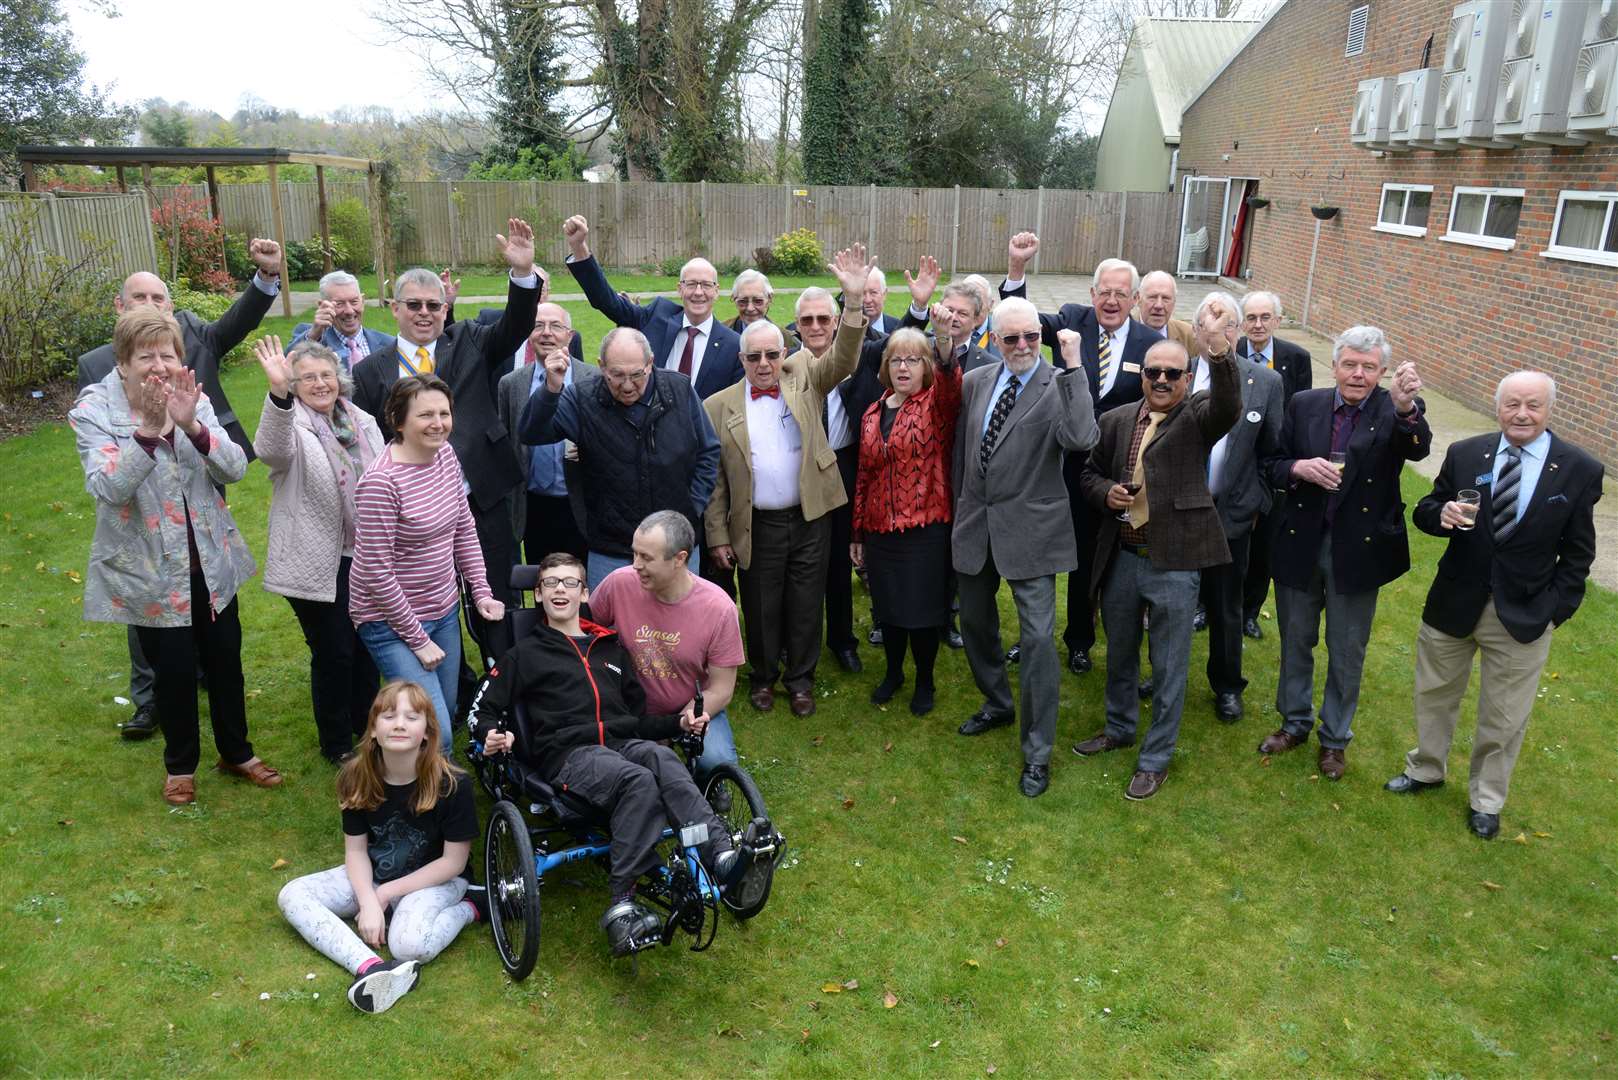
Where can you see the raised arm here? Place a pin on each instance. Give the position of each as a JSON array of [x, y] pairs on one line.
[[597, 289], [252, 305]]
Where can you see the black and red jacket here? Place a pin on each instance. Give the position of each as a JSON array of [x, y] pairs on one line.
[[575, 693]]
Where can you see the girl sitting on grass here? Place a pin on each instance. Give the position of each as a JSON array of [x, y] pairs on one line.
[[408, 826]]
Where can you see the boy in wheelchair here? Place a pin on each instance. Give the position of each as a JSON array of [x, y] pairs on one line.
[[589, 736]]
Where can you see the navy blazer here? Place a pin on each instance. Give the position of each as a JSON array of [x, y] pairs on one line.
[[1292, 363], [1369, 544], [660, 321], [1082, 319], [375, 341], [1537, 576]]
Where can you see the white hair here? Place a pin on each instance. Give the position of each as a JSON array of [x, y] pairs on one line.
[[1162, 274], [1208, 301], [747, 277], [1013, 305], [1260, 294], [814, 292], [1366, 339], [632, 334], [335, 278], [1550, 386], [689, 263], [1107, 266], [763, 324], [881, 278], [418, 276]]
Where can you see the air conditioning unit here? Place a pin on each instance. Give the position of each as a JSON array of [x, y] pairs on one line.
[[1373, 107], [1415, 106], [1536, 73], [1592, 110], [1477, 41]]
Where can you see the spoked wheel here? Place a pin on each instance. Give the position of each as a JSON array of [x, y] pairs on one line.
[[508, 867], [736, 802]]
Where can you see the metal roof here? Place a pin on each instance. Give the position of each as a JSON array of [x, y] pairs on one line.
[[1181, 55], [183, 156]]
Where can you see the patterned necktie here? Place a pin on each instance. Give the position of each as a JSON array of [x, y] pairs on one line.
[[691, 333], [1141, 511], [354, 354], [1504, 499], [1104, 360], [997, 419]]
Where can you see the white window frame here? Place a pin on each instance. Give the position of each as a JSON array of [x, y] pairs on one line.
[[1482, 240], [1402, 229], [1595, 257]]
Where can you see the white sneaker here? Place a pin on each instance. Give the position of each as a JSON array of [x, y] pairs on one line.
[[379, 988]]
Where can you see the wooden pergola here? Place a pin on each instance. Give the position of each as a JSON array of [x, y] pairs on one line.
[[211, 157]]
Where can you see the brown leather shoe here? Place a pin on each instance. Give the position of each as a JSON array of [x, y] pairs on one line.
[[762, 698], [1143, 785], [1280, 741], [258, 772], [1332, 764], [1099, 744], [803, 703], [180, 790]]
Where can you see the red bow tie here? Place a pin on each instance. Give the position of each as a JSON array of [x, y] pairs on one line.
[[774, 392]]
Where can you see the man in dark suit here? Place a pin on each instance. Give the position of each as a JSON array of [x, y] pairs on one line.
[[548, 511], [339, 322], [1519, 552], [1114, 346], [1342, 532], [471, 357], [205, 343], [1018, 418], [685, 337], [1261, 315], [524, 357], [1151, 562]]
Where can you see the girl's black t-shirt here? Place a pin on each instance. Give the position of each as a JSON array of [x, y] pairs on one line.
[[402, 841]]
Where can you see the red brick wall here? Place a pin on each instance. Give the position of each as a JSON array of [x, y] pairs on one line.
[[1466, 315]]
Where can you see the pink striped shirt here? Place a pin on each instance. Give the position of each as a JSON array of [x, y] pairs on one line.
[[412, 531]]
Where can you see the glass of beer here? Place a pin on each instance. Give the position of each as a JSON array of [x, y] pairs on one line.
[[1338, 459], [1468, 500]]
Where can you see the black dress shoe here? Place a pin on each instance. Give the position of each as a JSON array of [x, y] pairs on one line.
[[1404, 785], [875, 636], [954, 639], [1078, 661], [1484, 826], [1035, 779], [982, 721], [849, 661], [1014, 654], [1145, 689], [141, 725], [1228, 707], [1251, 628], [1199, 621]]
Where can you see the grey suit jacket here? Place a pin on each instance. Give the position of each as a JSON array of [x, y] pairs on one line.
[[513, 398], [1249, 447], [1020, 505]]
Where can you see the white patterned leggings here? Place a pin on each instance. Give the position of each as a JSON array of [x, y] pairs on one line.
[[423, 924]]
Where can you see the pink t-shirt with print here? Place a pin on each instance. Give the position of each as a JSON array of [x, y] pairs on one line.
[[673, 644]]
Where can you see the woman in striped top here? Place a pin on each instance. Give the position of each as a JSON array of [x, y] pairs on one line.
[[413, 532]]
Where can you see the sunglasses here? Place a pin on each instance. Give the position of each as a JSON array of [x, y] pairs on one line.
[[816, 320], [1011, 341], [1163, 374], [772, 355], [417, 305], [749, 301]]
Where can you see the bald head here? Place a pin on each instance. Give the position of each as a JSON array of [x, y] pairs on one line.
[[553, 329], [141, 289], [699, 288], [1158, 291], [1522, 404]]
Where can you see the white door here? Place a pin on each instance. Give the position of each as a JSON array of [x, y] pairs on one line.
[[1203, 225]]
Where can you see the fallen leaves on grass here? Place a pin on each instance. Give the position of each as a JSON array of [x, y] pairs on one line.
[[279, 863], [839, 987], [1491, 886], [972, 963], [1000, 942], [889, 999], [817, 740], [848, 804], [887, 747], [934, 1044]]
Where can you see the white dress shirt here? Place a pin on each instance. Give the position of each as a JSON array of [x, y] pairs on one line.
[[777, 452], [1216, 456], [699, 346]]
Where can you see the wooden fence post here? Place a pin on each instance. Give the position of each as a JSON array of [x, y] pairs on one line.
[[280, 238], [325, 227], [870, 234], [955, 232], [1039, 220], [702, 217], [449, 209], [1123, 219], [379, 244]]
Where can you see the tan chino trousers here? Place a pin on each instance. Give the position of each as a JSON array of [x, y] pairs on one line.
[[1508, 682]]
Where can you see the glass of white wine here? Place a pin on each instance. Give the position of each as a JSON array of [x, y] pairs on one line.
[[1469, 501]]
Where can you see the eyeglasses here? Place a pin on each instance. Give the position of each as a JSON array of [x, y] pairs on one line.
[[1111, 294], [751, 301], [772, 355], [1163, 374], [430, 305], [700, 286], [815, 320], [907, 361], [315, 377], [619, 377], [553, 327], [553, 582], [1011, 341]]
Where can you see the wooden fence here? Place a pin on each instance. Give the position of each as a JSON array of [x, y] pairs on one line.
[[453, 223], [115, 229]]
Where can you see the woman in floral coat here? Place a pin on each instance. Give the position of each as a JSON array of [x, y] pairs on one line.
[[167, 556]]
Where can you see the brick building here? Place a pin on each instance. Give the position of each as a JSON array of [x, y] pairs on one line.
[[1521, 272]]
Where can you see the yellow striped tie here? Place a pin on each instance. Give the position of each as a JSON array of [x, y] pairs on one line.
[[424, 360], [1104, 361]]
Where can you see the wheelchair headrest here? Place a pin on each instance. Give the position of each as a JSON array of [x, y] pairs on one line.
[[524, 578]]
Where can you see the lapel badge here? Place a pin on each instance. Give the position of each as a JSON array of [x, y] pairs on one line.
[[1553, 466]]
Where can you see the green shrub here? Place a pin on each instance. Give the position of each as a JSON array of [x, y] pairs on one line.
[[764, 259], [797, 252], [236, 260], [52, 308], [351, 235], [732, 266], [209, 307]]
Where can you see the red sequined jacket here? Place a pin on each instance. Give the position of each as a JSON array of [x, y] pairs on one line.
[[904, 480]]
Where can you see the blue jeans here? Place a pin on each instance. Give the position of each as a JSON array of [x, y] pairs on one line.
[[395, 660], [718, 745], [597, 566]]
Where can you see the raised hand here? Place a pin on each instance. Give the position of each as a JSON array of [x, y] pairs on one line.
[[151, 406], [924, 281], [184, 393], [452, 285], [518, 247], [556, 365], [1218, 322], [576, 231], [1072, 350], [1022, 248], [266, 255], [1406, 385], [277, 369], [325, 312], [852, 272]]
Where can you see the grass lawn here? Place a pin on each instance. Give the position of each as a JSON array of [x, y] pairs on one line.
[[1251, 920], [487, 281]]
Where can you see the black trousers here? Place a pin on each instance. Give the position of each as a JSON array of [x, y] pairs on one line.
[[640, 787], [342, 676], [1222, 596], [782, 591], [175, 652], [498, 542], [839, 567], [708, 569], [550, 527], [1256, 586]]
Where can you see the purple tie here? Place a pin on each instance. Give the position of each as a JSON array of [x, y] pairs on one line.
[[691, 333], [354, 354]]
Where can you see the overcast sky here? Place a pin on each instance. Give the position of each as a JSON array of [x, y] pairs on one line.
[[313, 56]]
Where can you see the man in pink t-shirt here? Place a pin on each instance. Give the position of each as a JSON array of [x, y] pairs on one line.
[[681, 630]]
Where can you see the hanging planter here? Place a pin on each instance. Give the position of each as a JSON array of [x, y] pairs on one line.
[[1257, 202], [1323, 212]]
